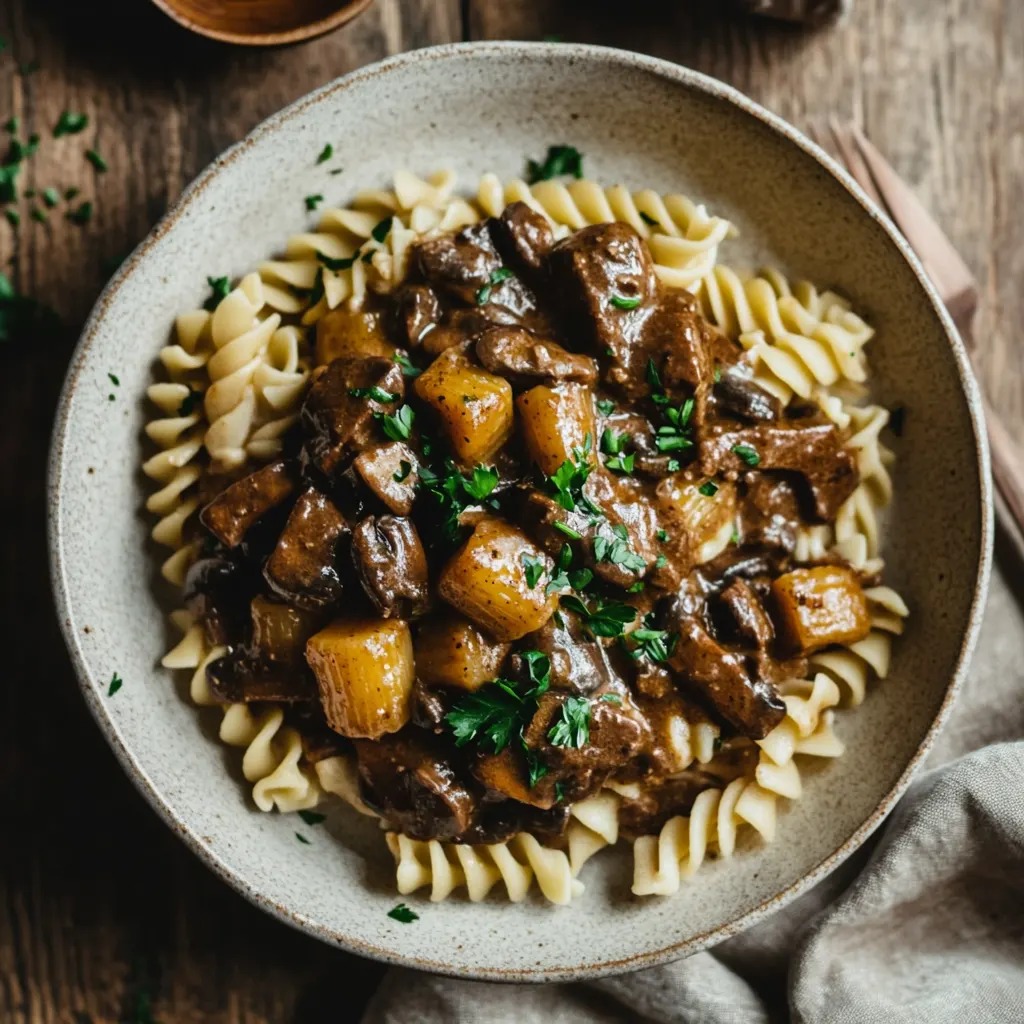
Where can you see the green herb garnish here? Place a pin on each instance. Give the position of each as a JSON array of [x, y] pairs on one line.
[[312, 818], [625, 302], [648, 219], [568, 530], [11, 125], [408, 369], [71, 193], [70, 124], [573, 726], [404, 469], [97, 161], [747, 454], [114, 379], [654, 644], [341, 263], [559, 160], [607, 618], [81, 215], [302, 839], [189, 402], [403, 914], [617, 551], [709, 489], [536, 768], [662, 535], [325, 154], [453, 492], [483, 294], [312, 202], [51, 197], [566, 483], [534, 570], [399, 426], [115, 685], [605, 406], [221, 287], [381, 229], [39, 216], [375, 392], [13, 217]]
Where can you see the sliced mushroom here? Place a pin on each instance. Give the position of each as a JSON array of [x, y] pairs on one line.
[[392, 567], [231, 514]]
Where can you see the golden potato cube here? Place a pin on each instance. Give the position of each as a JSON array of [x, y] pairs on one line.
[[452, 651], [280, 631], [699, 526], [555, 422], [344, 333], [474, 407], [486, 581], [365, 671], [814, 608]]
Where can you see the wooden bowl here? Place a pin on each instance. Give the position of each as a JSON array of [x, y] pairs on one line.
[[262, 22]]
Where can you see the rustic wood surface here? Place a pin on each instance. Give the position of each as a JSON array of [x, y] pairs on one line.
[[104, 915]]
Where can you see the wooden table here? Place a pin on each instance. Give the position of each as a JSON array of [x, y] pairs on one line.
[[104, 915]]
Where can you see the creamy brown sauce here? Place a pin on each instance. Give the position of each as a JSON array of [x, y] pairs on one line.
[[572, 456]]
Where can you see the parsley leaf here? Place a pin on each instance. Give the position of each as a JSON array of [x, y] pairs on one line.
[[652, 644], [709, 489], [535, 766], [221, 287], [452, 492], [566, 483], [97, 161], [341, 263], [188, 403], [13, 217], [653, 377], [312, 202], [403, 914], [610, 698], [114, 379], [618, 552], [559, 793], [399, 426], [747, 454], [115, 685], [325, 154], [625, 302], [607, 617], [534, 570], [568, 530], [605, 406], [312, 818], [559, 160], [375, 392], [404, 469], [662, 535], [648, 219], [302, 839], [381, 229], [480, 483], [51, 197], [408, 370], [483, 294], [70, 124], [573, 726]]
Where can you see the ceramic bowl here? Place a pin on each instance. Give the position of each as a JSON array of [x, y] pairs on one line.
[[479, 107]]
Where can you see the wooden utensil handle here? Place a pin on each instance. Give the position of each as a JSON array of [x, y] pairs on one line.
[[1007, 468]]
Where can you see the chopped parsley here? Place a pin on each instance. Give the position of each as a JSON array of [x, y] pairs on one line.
[[534, 570], [568, 530], [560, 160], [376, 393], [625, 302], [479, 484], [408, 369], [312, 818], [452, 491], [566, 483], [70, 124], [404, 469], [114, 379], [501, 710], [612, 444], [617, 551], [607, 618], [220, 286], [648, 219], [51, 197], [573, 726], [13, 217], [535, 766], [636, 588], [610, 698], [675, 435], [403, 914], [735, 538], [654, 644], [80, 215], [483, 294], [325, 154], [652, 375], [673, 465], [399, 426], [312, 202], [188, 403], [302, 839], [97, 161], [381, 229], [559, 793], [39, 215], [747, 454], [115, 685], [709, 489], [662, 535], [71, 193], [341, 263], [605, 406]]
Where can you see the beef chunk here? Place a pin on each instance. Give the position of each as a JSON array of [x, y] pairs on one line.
[[719, 679], [538, 515], [391, 565], [416, 311], [217, 593], [648, 460], [769, 512], [507, 773], [630, 519], [737, 395], [231, 514], [812, 448], [339, 423], [745, 615], [301, 568], [523, 236], [460, 264], [239, 679], [415, 788], [381, 468], [522, 358], [678, 329], [596, 272], [577, 663]]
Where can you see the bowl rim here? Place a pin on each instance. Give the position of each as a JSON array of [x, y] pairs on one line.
[[455, 51], [348, 10]]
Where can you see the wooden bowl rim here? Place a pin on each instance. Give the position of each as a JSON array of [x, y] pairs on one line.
[[349, 10]]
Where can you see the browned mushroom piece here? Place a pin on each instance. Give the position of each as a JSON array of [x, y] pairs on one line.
[[417, 310], [391, 565], [523, 236], [390, 471], [522, 358], [239, 507]]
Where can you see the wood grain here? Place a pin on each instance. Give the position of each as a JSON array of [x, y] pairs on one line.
[[102, 910]]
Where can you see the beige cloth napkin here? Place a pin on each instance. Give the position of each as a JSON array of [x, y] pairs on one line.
[[924, 926]]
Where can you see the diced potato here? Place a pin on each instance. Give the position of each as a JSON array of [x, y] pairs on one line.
[[506, 773], [346, 333], [365, 671], [474, 407], [451, 651], [280, 631], [814, 608], [555, 421], [486, 581], [699, 526], [381, 468]]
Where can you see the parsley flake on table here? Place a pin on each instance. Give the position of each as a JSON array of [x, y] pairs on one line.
[[97, 161], [71, 193], [115, 685], [312, 202], [399, 426], [81, 215], [573, 726], [325, 154], [302, 839], [560, 160], [747, 454], [312, 818], [220, 286], [403, 914], [114, 379], [13, 217], [51, 197], [70, 124], [39, 215]]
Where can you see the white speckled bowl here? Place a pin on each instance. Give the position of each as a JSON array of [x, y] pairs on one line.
[[482, 107]]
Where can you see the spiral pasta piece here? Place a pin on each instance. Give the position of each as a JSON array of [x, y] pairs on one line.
[[683, 237], [799, 341]]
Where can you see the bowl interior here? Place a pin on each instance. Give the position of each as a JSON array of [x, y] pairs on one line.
[[637, 121]]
